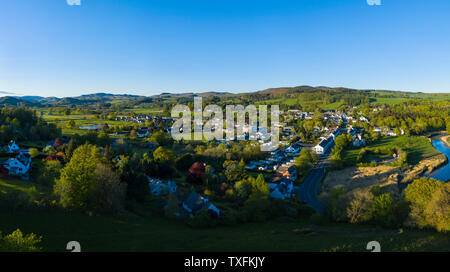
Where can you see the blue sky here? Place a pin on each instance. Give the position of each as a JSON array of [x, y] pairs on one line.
[[49, 48]]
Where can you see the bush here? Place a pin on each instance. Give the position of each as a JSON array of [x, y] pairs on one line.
[[277, 208], [202, 220], [16, 242], [256, 207], [419, 195], [231, 218], [383, 211], [358, 209], [49, 172], [437, 211]]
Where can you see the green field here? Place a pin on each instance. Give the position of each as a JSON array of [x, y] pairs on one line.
[[130, 232], [145, 111], [418, 148], [8, 185], [80, 120], [296, 101], [389, 101]]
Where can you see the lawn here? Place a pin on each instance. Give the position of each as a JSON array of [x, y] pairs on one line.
[[130, 232], [390, 101], [145, 111], [418, 148], [133, 233], [10, 184], [296, 101]]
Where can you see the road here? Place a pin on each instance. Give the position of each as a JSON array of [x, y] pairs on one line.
[[307, 190]]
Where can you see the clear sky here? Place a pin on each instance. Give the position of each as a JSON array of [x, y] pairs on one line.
[[50, 48]]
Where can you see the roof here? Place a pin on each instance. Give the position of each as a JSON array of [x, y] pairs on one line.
[[194, 201], [323, 143], [23, 159]]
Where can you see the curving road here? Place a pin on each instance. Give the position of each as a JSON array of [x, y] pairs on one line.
[[307, 190]]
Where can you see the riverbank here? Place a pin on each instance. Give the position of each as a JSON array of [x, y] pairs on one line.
[[441, 173], [391, 179], [446, 140]]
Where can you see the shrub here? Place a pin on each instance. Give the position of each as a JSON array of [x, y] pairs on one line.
[[202, 220], [243, 188], [437, 211], [383, 211], [256, 207], [358, 209], [419, 195], [17, 242]]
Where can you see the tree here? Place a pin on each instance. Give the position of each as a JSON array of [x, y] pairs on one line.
[[358, 210], [33, 152], [260, 185], [184, 162], [437, 211], [304, 161], [109, 191], [162, 154], [70, 124], [133, 174], [383, 210], [17, 242], [243, 188], [196, 173], [49, 172], [161, 139], [77, 181], [234, 171], [419, 194]]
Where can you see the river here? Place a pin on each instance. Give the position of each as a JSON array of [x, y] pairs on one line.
[[443, 173]]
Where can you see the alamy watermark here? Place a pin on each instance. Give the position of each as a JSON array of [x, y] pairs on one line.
[[214, 127], [374, 2], [73, 2]]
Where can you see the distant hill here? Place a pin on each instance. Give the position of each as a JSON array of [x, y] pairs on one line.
[[300, 89], [106, 97], [189, 94], [29, 98], [39, 99], [69, 101], [16, 102], [304, 92]]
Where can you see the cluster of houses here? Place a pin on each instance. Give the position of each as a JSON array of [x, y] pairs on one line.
[[276, 159], [282, 162], [141, 119], [18, 165], [282, 183], [387, 131], [298, 114]]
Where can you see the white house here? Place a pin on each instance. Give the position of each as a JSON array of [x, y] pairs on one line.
[[391, 133], [158, 187], [295, 148], [19, 165], [282, 190], [358, 140], [12, 147], [363, 119], [323, 146], [143, 133]]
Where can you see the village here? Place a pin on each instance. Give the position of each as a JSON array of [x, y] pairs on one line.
[[281, 162]]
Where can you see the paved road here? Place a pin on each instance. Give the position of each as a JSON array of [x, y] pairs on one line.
[[307, 190]]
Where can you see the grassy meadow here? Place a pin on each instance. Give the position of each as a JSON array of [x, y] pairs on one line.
[[130, 232], [418, 148]]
